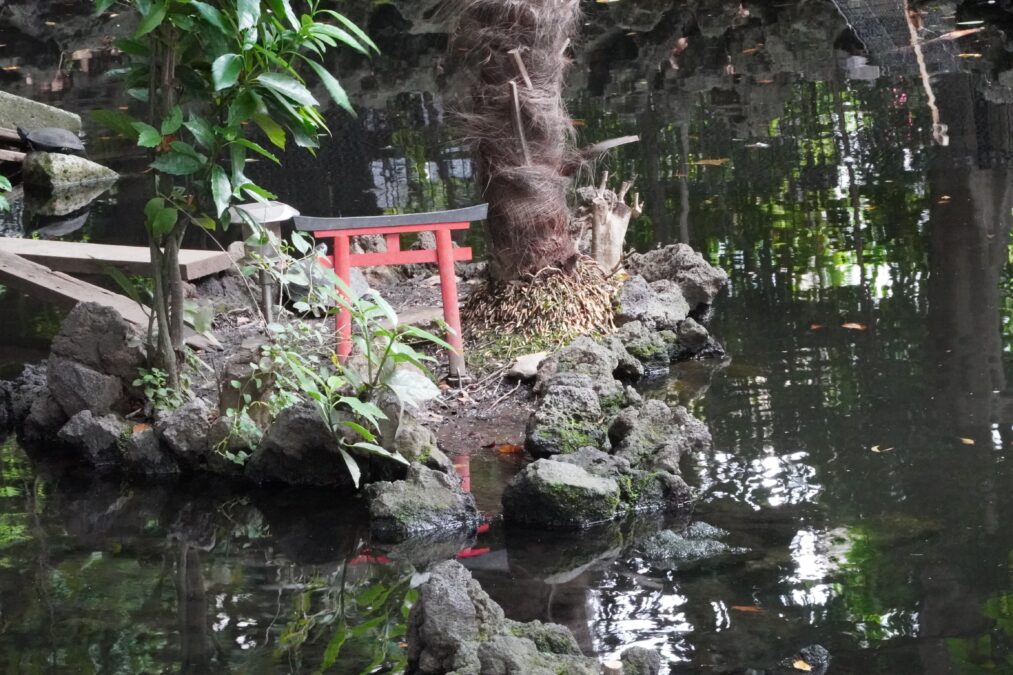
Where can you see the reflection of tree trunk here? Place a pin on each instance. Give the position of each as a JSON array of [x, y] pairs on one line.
[[684, 185], [649, 130], [195, 646]]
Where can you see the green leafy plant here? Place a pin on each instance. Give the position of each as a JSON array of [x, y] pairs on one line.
[[157, 392], [5, 187], [210, 74]]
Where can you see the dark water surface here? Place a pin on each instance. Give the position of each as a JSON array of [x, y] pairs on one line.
[[862, 427]]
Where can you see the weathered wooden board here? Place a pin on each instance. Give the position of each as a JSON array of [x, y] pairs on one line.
[[81, 258], [64, 290], [11, 156]]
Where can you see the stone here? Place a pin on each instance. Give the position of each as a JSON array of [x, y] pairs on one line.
[[258, 385], [658, 308], [630, 369], [816, 657], [687, 549], [96, 438], [427, 503], [526, 367], [49, 171], [299, 449], [640, 661], [456, 627], [186, 431], [99, 338], [699, 281], [648, 437], [77, 387], [144, 454], [569, 416], [646, 346], [554, 494], [44, 419], [16, 111], [586, 357], [24, 390]]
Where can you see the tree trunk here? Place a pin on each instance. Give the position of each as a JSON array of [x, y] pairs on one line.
[[515, 51], [610, 218]]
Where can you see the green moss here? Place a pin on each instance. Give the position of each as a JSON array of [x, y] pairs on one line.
[[576, 435]]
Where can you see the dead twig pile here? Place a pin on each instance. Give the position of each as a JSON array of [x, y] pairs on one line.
[[552, 303]]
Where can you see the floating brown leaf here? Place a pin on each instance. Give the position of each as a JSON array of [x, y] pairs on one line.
[[801, 665], [853, 326], [967, 441], [748, 609], [509, 448], [817, 326]]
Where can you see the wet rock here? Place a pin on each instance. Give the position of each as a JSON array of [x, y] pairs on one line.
[[424, 552], [646, 346], [299, 449], [48, 171], [258, 385], [95, 438], [659, 306], [455, 627], [630, 369], [77, 387], [98, 337], [22, 392], [569, 416], [639, 491], [145, 455], [404, 434], [648, 437], [695, 545], [186, 432], [526, 367], [554, 494], [815, 657], [16, 111], [692, 340], [65, 201], [699, 281], [426, 503], [640, 661], [45, 418]]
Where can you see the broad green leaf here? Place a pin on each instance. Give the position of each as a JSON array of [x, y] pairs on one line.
[[355, 30], [117, 121], [133, 47], [225, 70], [202, 131], [173, 121], [163, 222], [237, 156], [147, 135], [334, 87], [221, 189], [302, 243], [375, 449], [154, 205], [245, 106], [257, 193], [152, 20], [421, 334], [411, 387], [274, 132], [284, 8], [288, 87], [211, 15], [184, 148], [340, 35], [352, 466], [250, 145], [102, 5], [205, 223], [248, 12], [365, 433], [177, 164], [333, 649], [368, 411]]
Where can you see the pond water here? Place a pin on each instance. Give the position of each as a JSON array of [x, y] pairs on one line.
[[862, 426]]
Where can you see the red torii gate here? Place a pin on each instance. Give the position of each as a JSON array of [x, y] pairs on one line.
[[441, 223]]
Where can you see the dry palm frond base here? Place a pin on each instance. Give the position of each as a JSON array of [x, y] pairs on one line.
[[552, 305]]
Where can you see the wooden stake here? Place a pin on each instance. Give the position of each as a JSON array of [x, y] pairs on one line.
[[519, 123], [516, 53]]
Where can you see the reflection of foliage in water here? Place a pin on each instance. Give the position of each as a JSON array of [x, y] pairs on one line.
[[991, 651], [360, 620]]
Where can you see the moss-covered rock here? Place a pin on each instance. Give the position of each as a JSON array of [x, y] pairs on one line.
[[554, 494], [427, 503], [568, 417]]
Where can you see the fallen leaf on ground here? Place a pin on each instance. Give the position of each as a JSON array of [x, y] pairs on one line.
[[748, 609], [801, 665], [509, 448], [138, 428], [967, 441], [853, 326]]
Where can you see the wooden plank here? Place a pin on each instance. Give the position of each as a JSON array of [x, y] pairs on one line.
[[64, 290], [10, 135], [82, 258], [466, 215], [11, 156]]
